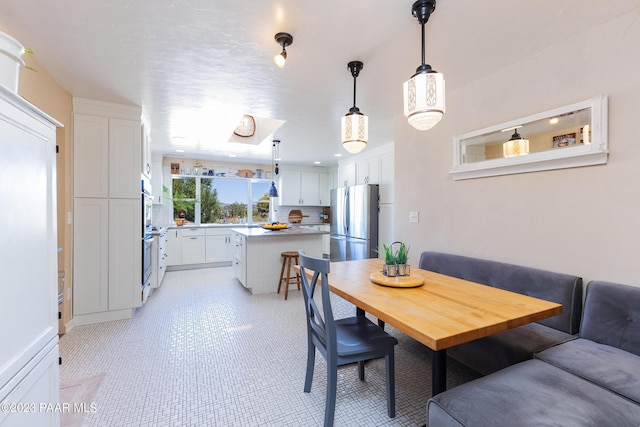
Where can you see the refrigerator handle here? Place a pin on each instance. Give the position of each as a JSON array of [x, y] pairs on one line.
[[346, 211]]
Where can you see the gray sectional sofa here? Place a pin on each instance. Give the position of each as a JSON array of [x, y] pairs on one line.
[[495, 352], [593, 380]]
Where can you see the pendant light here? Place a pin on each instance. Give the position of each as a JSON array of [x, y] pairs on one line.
[[284, 40], [273, 191], [424, 103], [515, 146], [355, 125]]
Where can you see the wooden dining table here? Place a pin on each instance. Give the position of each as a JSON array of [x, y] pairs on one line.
[[442, 312]]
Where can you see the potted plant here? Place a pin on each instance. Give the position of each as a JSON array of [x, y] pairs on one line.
[[390, 268], [402, 256], [180, 204]]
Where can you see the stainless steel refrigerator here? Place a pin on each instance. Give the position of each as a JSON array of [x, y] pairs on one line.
[[354, 222]]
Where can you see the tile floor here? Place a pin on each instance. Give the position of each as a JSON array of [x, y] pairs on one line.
[[205, 352]]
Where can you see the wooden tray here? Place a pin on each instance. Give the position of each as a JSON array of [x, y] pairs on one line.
[[397, 282]]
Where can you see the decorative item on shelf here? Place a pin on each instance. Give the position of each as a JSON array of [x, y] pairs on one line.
[[354, 124], [284, 40], [245, 173], [424, 103], [197, 166]]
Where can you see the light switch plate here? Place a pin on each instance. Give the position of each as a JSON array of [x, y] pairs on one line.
[[413, 217]]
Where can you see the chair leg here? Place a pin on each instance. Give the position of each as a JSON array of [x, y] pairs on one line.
[[361, 370], [332, 383], [284, 261], [286, 283], [311, 362], [391, 384], [298, 278]]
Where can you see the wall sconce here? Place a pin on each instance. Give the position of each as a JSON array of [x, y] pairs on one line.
[[355, 125], [424, 92], [515, 146], [284, 40]]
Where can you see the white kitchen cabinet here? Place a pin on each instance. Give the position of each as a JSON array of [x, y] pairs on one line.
[[174, 252], [299, 188], [219, 245], [325, 184], [28, 263], [367, 171], [124, 158], [107, 259], [157, 179], [346, 174], [106, 157], [386, 178], [161, 257], [239, 258], [90, 255], [125, 254], [193, 245], [145, 156], [107, 211]]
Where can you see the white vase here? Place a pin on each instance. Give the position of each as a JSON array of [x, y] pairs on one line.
[[11, 62]]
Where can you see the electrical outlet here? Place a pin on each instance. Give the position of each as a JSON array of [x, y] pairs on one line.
[[413, 217]]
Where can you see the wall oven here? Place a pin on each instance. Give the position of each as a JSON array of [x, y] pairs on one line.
[[147, 238]]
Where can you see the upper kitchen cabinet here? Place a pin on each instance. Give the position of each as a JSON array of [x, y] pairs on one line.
[[371, 167], [302, 189], [367, 171], [107, 156], [146, 151]]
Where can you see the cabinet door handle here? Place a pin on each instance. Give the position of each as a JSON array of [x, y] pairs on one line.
[[193, 238]]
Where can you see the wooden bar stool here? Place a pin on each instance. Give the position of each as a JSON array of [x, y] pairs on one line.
[[287, 257]]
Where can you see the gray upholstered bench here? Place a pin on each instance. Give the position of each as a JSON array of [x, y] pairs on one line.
[[495, 352], [591, 381]]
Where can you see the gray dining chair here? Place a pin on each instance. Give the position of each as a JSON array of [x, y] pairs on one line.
[[343, 341]]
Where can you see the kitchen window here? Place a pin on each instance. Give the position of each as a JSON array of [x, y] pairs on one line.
[[223, 200]]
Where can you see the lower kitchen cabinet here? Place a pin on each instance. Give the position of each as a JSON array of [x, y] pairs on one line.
[[193, 243], [198, 245], [173, 250], [219, 246], [158, 260], [107, 259], [239, 258]]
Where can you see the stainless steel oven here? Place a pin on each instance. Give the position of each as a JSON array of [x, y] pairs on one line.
[[147, 243]]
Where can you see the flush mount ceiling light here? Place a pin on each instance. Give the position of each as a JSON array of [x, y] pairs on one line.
[[424, 91], [355, 125], [515, 146], [284, 40]]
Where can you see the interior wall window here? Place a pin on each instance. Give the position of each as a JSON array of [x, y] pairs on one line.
[[184, 194], [224, 201], [260, 201], [221, 200]]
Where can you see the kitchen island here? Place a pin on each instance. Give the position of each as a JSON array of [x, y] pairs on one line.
[[257, 261]]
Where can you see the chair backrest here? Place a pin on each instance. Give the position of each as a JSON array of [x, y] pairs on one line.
[[612, 315], [320, 322]]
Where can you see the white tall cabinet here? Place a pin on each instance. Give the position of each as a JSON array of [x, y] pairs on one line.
[[107, 259], [28, 262]]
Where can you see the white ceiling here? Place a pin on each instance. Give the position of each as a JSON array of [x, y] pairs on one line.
[[195, 66]]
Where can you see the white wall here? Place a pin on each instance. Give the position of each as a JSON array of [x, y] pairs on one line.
[[583, 221]]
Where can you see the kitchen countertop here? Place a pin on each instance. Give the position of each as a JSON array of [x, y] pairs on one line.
[[242, 226], [261, 232]]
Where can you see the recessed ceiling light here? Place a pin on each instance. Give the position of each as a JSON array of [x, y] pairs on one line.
[[179, 151], [316, 163], [232, 155], [337, 155], [554, 120]]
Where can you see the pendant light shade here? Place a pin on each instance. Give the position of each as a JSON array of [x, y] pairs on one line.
[[424, 100], [354, 125], [515, 146]]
